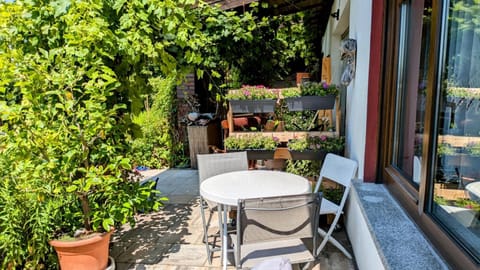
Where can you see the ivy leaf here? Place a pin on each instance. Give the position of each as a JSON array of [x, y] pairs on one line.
[[60, 7]]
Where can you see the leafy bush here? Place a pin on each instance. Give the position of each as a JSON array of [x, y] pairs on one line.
[[72, 74], [156, 147], [305, 168]]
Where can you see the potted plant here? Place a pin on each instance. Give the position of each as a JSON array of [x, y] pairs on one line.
[[97, 189], [311, 96], [252, 99], [66, 144], [256, 145]]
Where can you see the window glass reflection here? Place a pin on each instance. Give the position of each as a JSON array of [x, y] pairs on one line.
[[456, 191]]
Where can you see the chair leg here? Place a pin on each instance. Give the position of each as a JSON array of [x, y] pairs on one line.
[[205, 231], [328, 238]]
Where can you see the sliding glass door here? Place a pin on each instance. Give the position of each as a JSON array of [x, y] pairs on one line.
[[456, 185], [431, 120]]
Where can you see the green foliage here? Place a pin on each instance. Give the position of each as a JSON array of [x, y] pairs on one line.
[[291, 92], [319, 143], [251, 48], [298, 144], [298, 121], [252, 93], [157, 147], [254, 141], [72, 73], [332, 194], [306, 168], [473, 149], [445, 149], [318, 89], [462, 92], [459, 202]]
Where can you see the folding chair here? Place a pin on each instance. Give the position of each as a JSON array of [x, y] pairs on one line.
[[210, 165], [274, 227], [341, 171]]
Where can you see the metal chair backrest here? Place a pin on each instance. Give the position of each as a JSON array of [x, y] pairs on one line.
[[277, 218], [213, 164]]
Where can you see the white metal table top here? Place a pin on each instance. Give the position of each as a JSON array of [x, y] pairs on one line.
[[227, 188]]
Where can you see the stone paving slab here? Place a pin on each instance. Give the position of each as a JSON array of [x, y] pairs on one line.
[[172, 238]]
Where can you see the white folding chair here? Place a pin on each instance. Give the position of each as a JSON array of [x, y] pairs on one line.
[[210, 165], [341, 171]]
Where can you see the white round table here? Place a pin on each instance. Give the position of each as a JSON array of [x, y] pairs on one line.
[[226, 189]]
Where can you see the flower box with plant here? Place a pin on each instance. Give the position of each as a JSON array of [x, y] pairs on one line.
[[311, 96], [315, 147], [252, 99], [256, 145], [473, 149]]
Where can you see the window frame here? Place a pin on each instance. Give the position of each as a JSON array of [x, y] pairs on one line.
[[415, 201]]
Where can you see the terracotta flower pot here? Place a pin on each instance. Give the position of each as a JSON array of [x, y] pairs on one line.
[[85, 254]]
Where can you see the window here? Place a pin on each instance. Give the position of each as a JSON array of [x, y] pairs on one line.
[[431, 120], [456, 190], [410, 87]]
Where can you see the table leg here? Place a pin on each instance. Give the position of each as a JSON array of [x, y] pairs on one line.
[[224, 237]]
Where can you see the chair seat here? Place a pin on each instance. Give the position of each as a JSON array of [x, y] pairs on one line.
[[293, 249], [328, 207]]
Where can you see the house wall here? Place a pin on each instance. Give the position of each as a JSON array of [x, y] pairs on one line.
[[355, 16]]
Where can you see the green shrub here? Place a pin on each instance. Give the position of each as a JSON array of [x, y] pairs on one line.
[[156, 145], [305, 168]]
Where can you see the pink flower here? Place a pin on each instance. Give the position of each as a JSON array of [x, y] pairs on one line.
[[246, 93], [323, 138], [276, 139]]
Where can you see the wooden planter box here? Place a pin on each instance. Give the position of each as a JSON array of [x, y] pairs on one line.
[[310, 103], [253, 106], [254, 154], [199, 139]]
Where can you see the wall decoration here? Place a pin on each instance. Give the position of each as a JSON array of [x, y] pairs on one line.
[[348, 53]]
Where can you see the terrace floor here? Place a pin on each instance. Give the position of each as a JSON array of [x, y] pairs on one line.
[[171, 238]]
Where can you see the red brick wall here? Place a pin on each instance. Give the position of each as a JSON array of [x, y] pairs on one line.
[[187, 87]]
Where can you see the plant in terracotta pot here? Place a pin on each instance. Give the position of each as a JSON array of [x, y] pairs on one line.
[[65, 123]]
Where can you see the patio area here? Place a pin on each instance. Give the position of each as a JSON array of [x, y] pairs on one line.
[[172, 237]]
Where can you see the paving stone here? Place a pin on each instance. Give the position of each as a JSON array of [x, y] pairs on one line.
[[144, 253], [172, 238], [123, 266], [192, 255]]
